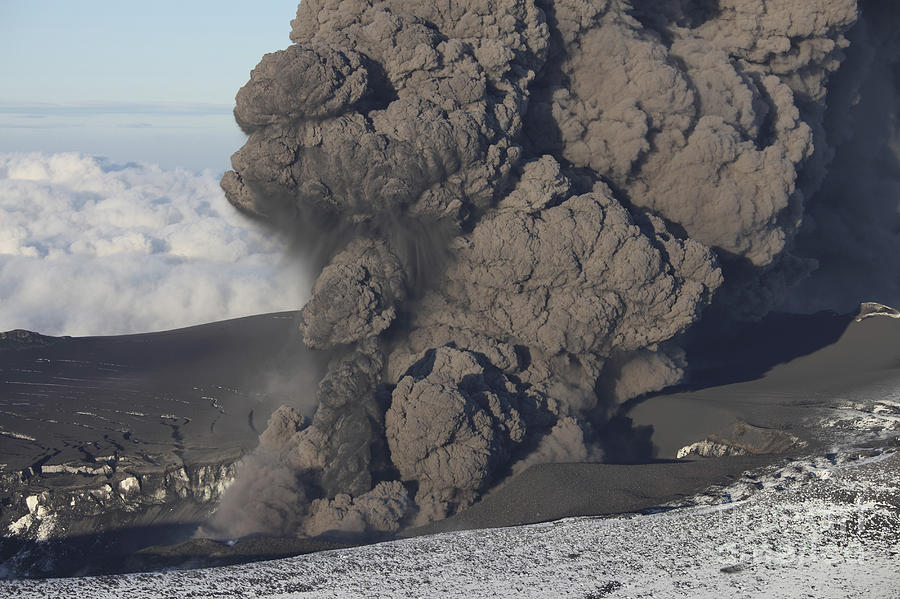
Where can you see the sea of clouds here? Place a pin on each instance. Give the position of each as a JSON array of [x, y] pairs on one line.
[[88, 247]]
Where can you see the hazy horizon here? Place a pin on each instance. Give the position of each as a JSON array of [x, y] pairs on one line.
[[129, 82]]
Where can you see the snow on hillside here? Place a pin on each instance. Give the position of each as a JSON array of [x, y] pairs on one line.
[[815, 528], [822, 526]]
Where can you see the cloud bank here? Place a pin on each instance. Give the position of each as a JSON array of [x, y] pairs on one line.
[[92, 248]]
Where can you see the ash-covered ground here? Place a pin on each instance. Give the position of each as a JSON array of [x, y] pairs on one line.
[[109, 444], [524, 214], [823, 525]]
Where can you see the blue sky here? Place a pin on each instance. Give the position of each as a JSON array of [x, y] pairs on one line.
[[132, 81]]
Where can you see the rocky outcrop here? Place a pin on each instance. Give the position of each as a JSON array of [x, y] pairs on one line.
[[870, 309], [742, 439], [19, 339], [59, 501]]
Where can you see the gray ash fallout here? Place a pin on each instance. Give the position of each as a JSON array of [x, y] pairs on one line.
[[519, 208]]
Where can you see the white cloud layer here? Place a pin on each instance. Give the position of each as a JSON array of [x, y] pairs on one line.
[[92, 248]]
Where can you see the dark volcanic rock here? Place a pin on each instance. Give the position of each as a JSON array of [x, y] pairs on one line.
[[106, 434], [19, 339]]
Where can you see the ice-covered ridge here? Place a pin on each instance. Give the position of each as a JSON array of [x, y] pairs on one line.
[[869, 309], [15, 435]]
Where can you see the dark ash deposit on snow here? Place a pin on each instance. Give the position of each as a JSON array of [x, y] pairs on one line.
[[520, 208]]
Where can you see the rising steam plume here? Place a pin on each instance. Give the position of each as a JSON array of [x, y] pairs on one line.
[[520, 207]]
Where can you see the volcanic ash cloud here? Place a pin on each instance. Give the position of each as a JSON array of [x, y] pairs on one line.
[[519, 208]]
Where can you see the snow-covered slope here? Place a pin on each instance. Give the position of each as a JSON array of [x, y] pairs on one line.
[[822, 526]]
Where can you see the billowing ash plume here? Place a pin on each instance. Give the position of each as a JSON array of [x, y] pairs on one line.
[[522, 206], [852, 225]]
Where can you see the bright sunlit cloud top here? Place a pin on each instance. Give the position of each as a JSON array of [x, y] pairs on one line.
[[88, 247]]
